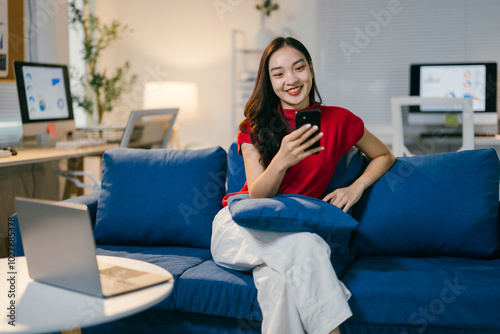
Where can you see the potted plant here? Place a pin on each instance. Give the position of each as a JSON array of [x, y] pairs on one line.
[[267, 6], [101, 90], [264, 36]]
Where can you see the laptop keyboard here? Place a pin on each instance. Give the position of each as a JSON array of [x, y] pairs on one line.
[[117, 280], [114, 280]]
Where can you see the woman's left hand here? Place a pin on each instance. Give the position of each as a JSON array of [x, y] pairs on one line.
[[345, 198], [382, 160]]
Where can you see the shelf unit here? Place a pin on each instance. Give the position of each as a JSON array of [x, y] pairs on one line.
[[245, 63]]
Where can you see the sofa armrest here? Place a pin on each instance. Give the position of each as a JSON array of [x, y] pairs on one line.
[[15, 246], [89, 200]]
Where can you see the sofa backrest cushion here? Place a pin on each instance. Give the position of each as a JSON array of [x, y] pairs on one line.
[[235, 170], [435, 205], [160, 197], [349, 168]]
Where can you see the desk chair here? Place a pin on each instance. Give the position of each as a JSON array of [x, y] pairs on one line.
[[398, 146], [148, 128]]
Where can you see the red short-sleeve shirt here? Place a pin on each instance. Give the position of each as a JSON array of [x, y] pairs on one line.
[[310, 177]]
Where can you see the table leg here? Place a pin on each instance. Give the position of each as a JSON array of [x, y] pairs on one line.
[[72, 331]]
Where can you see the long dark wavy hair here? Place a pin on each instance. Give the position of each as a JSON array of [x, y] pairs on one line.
[[268, 125]]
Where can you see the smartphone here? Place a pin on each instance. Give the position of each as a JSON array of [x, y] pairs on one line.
[[312, 117]]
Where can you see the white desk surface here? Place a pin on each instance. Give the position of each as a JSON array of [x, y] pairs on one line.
[[480, 142], [30, 155], [44, 308], [487, 141]]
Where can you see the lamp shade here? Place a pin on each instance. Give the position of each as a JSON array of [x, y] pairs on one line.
[[173, 94]]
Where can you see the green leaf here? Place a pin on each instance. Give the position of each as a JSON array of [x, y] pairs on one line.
[[103, 91]]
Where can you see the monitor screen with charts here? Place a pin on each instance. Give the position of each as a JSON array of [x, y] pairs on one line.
[[44, 98], [477, 81]]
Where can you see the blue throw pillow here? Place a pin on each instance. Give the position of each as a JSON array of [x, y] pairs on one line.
[[160, 197], [434, 205], [292, 213]]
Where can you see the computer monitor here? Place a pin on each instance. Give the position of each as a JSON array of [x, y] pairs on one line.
[[477, 81], [44, 99]]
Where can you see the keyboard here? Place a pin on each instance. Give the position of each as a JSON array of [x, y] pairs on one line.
[[485, 134], [79, 143]]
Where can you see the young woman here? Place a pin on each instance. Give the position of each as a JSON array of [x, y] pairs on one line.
[[298, 289]]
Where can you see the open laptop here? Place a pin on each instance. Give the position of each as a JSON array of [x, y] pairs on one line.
[[60, 250]]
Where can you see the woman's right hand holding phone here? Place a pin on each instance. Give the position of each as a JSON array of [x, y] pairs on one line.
[[294, 146], [265, 182]]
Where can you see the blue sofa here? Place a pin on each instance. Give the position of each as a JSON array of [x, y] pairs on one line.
[[425, 257]]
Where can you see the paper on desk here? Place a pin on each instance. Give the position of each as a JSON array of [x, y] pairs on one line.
[[51, 129]]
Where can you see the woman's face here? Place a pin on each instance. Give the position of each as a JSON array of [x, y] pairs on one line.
[[291, 77]]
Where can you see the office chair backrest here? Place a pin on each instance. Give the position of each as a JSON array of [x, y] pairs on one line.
[[149, 127]]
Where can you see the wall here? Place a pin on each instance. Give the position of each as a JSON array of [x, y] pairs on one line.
[[367, 47], [190, 40], [47, 31]]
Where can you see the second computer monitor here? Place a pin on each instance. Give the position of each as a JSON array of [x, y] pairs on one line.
[[477, 81]]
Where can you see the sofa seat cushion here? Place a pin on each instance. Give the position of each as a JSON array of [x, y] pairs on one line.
[[213, 290], [421, 292], [341, 264], [174, 259]]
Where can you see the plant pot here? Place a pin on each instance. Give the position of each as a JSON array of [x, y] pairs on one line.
[[91, 120], [263, 38]]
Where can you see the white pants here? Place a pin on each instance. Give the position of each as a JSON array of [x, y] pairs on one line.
[[297, 288]]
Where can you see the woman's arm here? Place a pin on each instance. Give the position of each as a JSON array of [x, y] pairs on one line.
[[265, 182], [382, 160]]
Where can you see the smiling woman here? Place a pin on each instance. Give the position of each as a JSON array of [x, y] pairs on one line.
[[279, 159], [291, 83], [286, 79]]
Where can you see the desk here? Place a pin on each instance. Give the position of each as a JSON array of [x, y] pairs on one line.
[[442, 143], [36, 155], [484, 142], [30, 173], [44, 308]]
